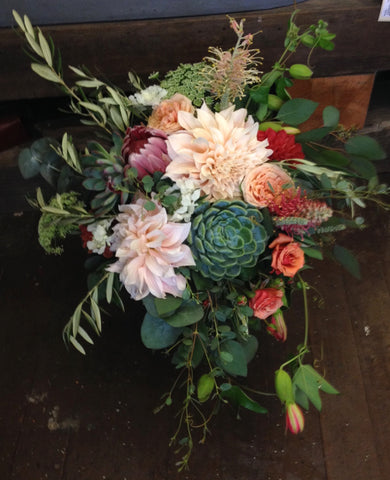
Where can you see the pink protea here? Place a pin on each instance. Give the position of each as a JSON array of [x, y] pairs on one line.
[[148, 248], [145, 149]]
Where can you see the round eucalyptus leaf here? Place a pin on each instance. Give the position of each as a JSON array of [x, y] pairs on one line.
[[29, 165], [156, 333]]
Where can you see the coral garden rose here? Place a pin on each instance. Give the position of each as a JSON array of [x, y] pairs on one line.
[[145, 149], [266, 184], [215, 150], [266, 302], [148, 248], [282, 144], [164, 116], [287, 255]]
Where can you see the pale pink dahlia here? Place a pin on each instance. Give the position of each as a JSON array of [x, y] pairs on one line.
[[215, 150], [148, 248]]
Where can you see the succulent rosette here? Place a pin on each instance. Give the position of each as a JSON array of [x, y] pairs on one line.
[[226, 237]]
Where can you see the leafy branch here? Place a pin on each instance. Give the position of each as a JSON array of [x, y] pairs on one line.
[[89, 310], [107, 108]]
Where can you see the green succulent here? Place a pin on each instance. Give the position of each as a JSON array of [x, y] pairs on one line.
[[104, 173], [226, 238]]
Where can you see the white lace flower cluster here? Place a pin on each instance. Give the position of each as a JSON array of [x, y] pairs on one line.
[[190, 194], [100, 237], [148, 97]]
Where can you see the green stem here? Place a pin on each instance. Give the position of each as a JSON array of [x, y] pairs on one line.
[[306, 310]]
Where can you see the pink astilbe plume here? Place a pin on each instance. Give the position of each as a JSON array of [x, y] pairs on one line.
[[297, 214]]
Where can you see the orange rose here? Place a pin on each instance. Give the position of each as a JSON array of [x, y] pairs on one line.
[[265, 184], [287, 255], [266, 302], [164, 116]]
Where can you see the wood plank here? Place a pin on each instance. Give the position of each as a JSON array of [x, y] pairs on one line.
[[349, 93], [354, 430], [369, 304], [140, 45], [114, 389]]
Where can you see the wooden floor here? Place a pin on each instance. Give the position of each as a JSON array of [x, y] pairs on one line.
[[64, 416], [68, 417]]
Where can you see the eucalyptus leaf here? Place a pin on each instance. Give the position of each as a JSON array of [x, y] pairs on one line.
[[238, 364], [346, 258], [29, 165], [167, 306], [259, 94], [314, 135], [330, 116], [49, 173], [156, 333], [188, 314], [313, 253], [364, 167], [364, 146], [296, 111], [250, 347], [237, 398]]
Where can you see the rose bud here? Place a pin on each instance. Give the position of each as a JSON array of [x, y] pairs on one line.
[[277, 327]]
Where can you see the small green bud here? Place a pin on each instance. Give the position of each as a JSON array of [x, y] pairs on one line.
[[205, 387], [274, 125], [283, 386], [300, 71], [308, 40], [274, 102], [291, 130]]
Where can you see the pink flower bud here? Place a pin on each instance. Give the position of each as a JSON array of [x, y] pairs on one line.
[[242, 300], [295, 421], [277, 327]]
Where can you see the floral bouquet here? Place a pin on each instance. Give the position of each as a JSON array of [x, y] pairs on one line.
[[202, 198]]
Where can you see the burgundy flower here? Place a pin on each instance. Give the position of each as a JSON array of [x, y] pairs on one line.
[[145, 149], [283, 144]]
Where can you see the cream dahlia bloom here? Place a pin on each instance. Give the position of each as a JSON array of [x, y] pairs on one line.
[[148, 248], [215, 150]]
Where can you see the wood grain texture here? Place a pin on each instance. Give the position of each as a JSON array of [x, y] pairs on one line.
[[104, 401], [145, 46], [349, 93]]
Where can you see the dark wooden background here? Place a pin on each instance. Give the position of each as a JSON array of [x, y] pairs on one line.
[[110, 49]]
